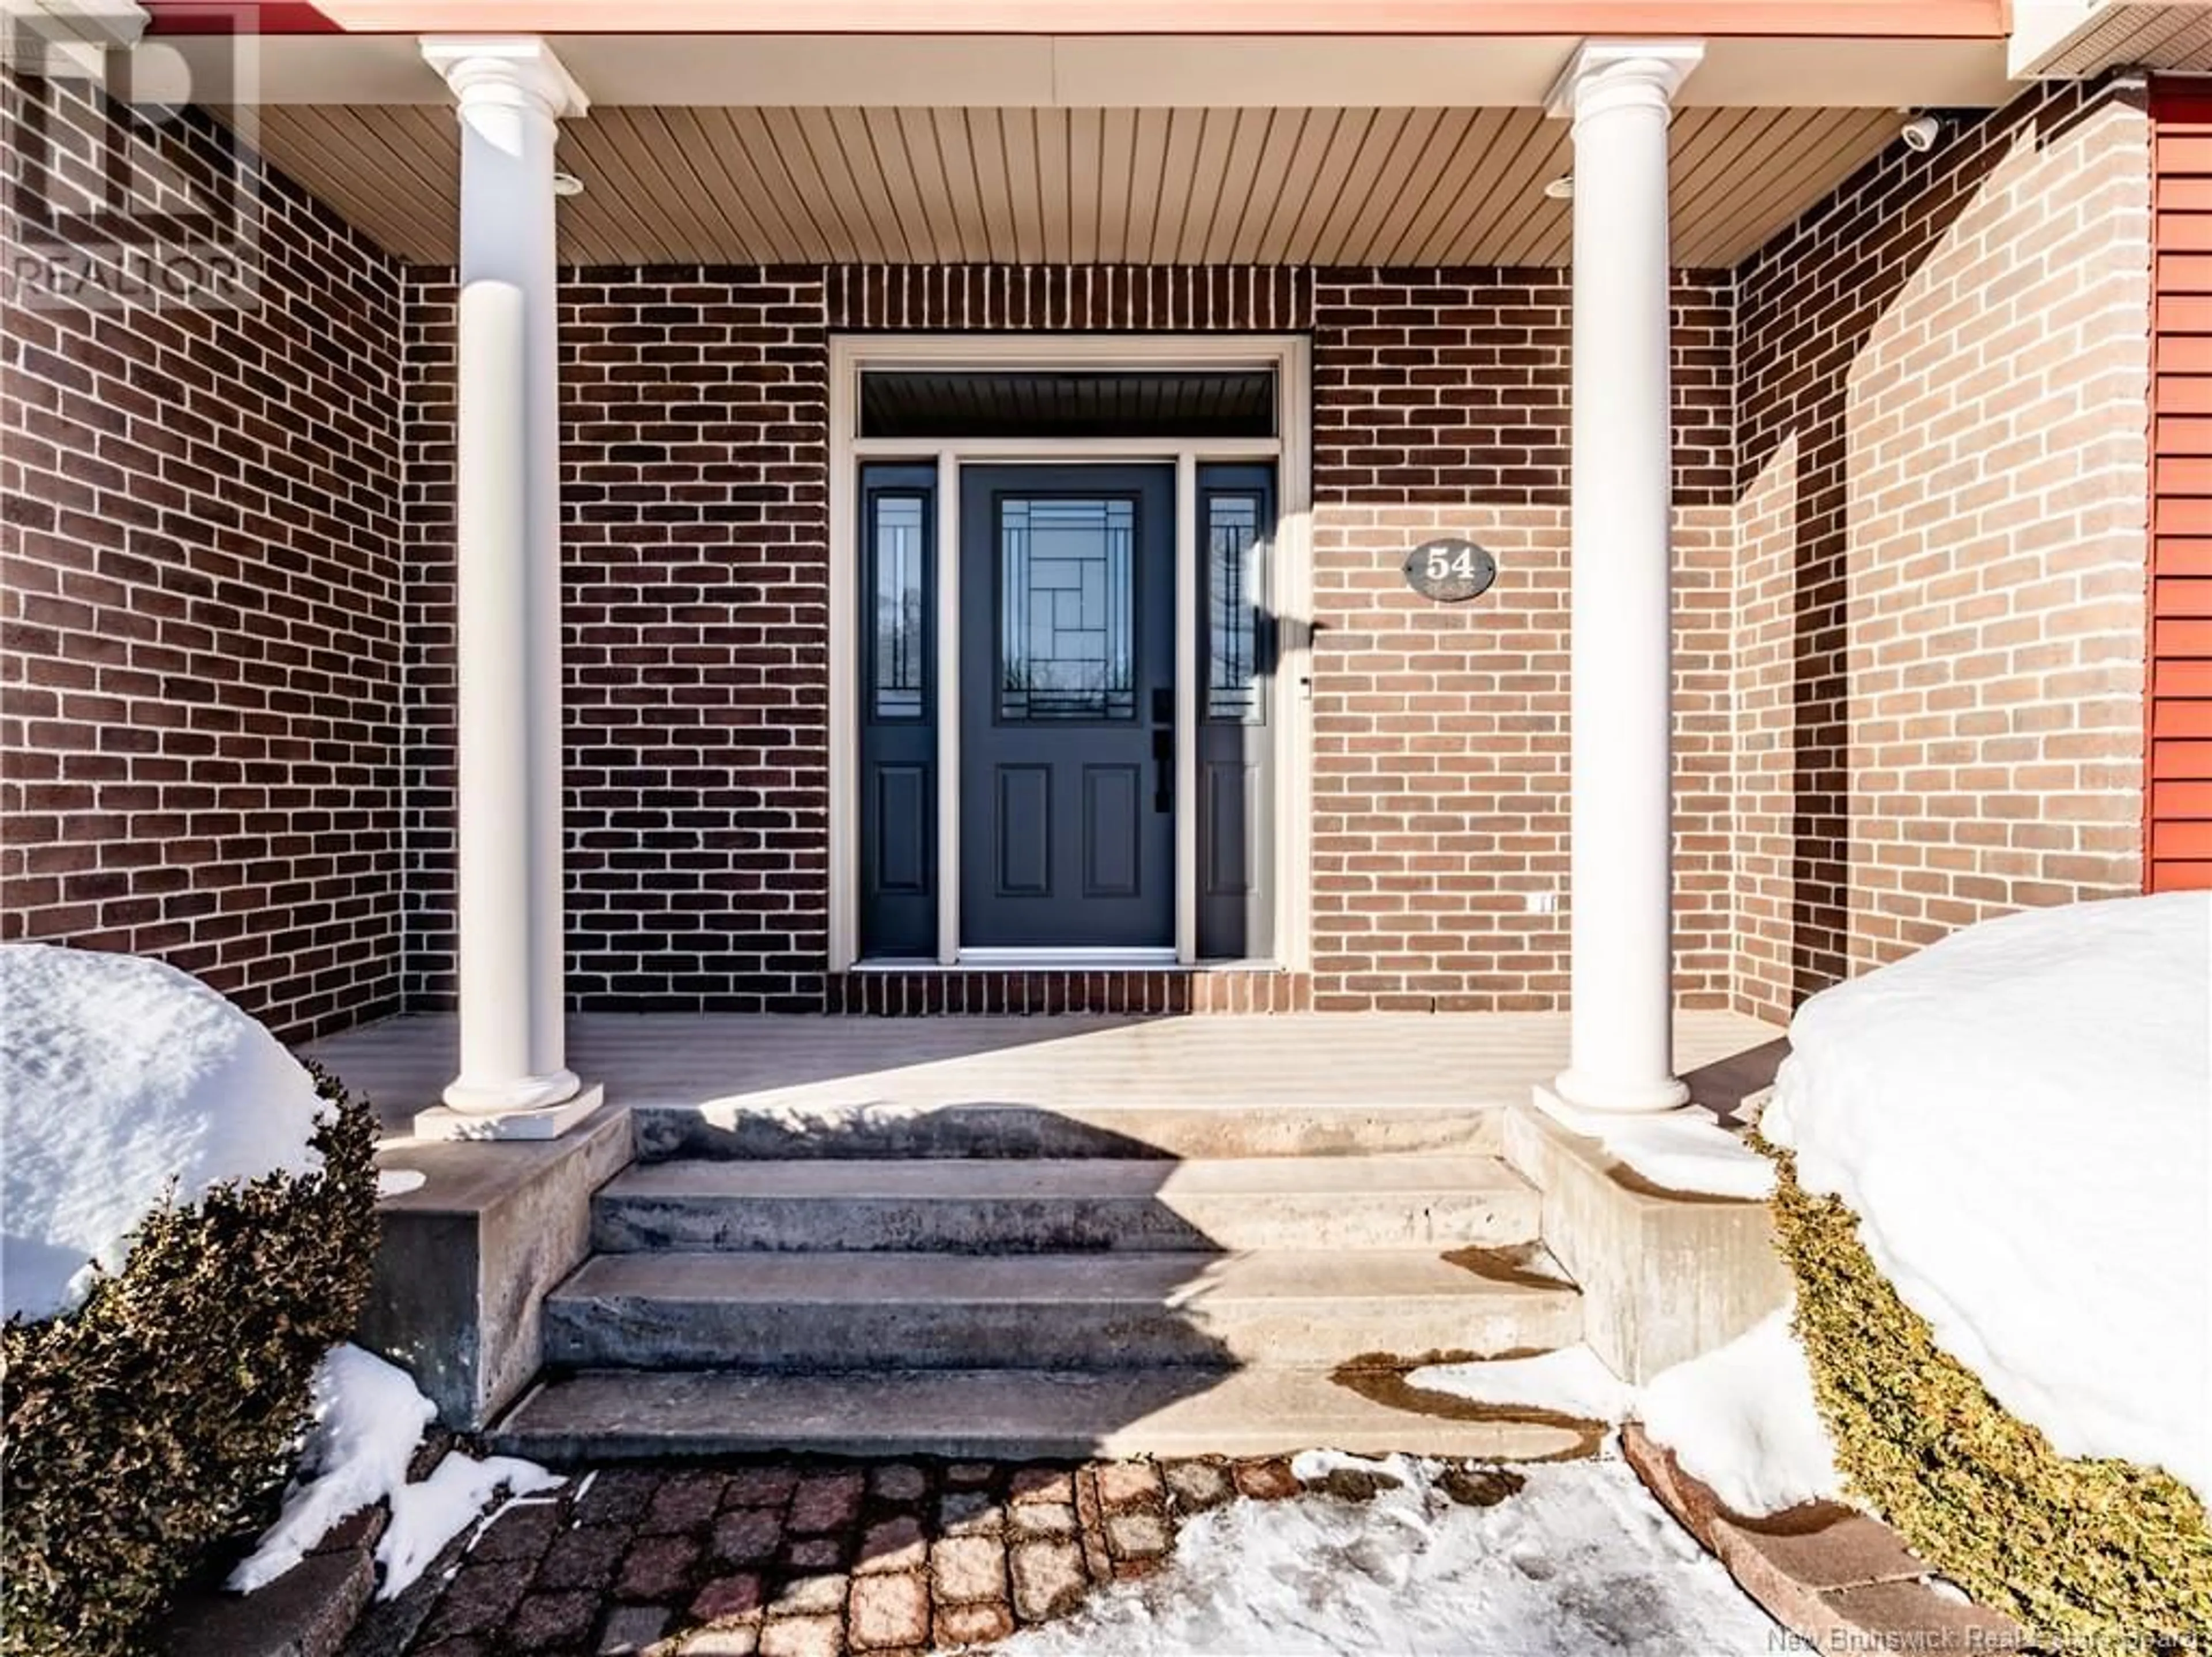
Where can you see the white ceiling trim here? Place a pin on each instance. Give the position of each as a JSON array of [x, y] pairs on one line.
[[1110, 72]]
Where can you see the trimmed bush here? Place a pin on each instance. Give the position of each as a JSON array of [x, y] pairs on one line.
[[152, 1422], [2099, 1554]]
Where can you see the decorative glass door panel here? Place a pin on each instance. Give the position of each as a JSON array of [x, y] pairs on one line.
[[1066, 587]]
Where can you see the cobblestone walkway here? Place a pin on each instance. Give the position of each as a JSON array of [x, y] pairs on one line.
[[809, 1560]]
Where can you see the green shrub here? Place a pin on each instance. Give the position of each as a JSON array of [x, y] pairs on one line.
[[2100, 1555], [149, 1423]]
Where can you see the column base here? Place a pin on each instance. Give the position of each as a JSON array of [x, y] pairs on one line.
[[442, 1122], [1586, 1092], [529, 1093]]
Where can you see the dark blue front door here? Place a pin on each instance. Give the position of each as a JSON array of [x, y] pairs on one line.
[[1068, 674]]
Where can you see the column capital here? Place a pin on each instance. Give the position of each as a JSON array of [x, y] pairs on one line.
[[1609, 74], [504, 69]]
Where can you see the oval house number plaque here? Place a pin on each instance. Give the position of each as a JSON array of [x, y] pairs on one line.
[[1449, 571]]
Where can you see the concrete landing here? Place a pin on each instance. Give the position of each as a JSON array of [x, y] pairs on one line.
[[1088, 1204], [996, 1414]]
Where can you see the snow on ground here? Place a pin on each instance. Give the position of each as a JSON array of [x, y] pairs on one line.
[[2021, 1115], [1572, 1381], [426, 1516], [1742, 1419], [117, 1077], [369, 1418], [1582, 1560]]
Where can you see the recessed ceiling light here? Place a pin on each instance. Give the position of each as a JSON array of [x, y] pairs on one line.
[[1561, 188], [567, 184]]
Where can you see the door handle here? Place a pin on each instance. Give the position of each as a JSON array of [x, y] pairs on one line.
[[1164, 753]]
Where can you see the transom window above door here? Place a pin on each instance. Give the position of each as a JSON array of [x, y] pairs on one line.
[[1045, 403]]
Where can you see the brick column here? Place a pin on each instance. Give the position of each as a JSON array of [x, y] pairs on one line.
[[514, 1079], [1622, 768]]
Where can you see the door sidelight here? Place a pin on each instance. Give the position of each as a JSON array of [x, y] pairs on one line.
[[1164, 749]]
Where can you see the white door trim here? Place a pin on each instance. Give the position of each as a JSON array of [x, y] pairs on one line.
[[1289, 356]]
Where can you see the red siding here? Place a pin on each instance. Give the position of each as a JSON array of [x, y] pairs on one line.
[[2177, 804]]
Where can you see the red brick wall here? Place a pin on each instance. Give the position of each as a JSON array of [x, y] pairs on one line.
[[695, 609], [1939, 607], [1440, 788], [199, 724], [2178, 816], [695, 477]]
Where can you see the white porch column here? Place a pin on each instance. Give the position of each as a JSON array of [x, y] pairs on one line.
[[512, 92], [1622, 861]]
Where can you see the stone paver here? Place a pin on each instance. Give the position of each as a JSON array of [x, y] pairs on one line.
[[1049, 1580], [896, 1544], [1265, 1481], [968, 1567], [900, 1482], [1047, 1519], [888, 1611], [583, 1558], [822, 1559], [684, 1502], [728, 1598], [657, 1566], [746, 1534], [720, 1642], [827, 1501], [631, 1629], [1198, 1485], [802, 1637], [545, 1621], [973, 1625], [1138, 1536], [1129, 1483]]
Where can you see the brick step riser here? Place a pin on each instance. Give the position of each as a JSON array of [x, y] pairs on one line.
[[640, 1333], [1059, 1224], [1167, 1131]]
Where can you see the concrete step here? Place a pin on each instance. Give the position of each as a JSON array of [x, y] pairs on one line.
[[999, 1414], [838, 1311], [1070, 1205], [1155, 1121]]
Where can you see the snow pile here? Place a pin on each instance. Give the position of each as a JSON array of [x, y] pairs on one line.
[[1581, 1560], [1742, 1419], [369, 1418], [1572, 1381], [117, 1077], [2020, 1116], [1686, 1150]]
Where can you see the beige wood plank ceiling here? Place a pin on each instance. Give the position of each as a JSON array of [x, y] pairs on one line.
[[1294, 187]]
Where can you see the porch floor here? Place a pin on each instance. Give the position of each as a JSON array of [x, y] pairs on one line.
[[1413, 1060]]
